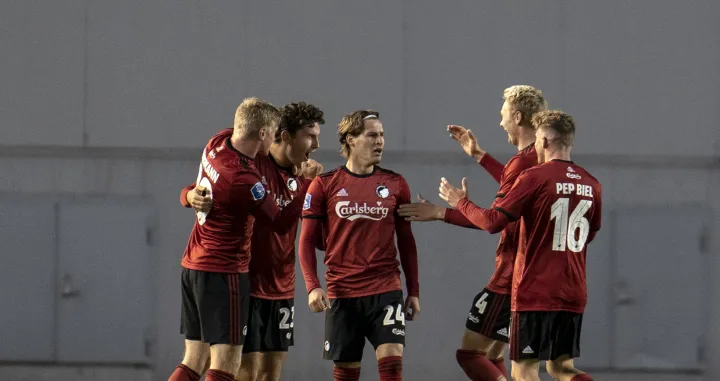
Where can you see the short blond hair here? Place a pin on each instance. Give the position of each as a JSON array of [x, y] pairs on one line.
[[560, 125], [526, 99], [254, 114], [353, 124]]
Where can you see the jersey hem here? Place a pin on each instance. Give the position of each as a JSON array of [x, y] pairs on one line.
[[361, 294], [212, 269], [273, 297], [540, 308], [499, 291]]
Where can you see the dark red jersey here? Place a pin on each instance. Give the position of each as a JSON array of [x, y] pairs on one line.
[[272, 267], [359, 214], [501, 280], [220, 239], [560, 204]]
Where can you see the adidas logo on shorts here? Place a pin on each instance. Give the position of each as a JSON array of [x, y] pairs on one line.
[[503, 332], [528, 350]]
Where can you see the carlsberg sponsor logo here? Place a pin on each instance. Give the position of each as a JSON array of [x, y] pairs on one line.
[[345, 209]]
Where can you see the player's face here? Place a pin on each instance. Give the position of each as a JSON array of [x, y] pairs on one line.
[[509, 124], [267, 136], [368, 146], [303, 144]]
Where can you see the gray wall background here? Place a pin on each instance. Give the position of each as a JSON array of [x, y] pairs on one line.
[[105, 107]]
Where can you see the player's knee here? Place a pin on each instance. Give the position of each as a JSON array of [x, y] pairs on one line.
[[197, 356], [340, 364], [389, 350], [250, 367], [225, 357]]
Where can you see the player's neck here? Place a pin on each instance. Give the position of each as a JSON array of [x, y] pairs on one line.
[[526, 139], [358, 168], [557, 155], [277, 151], [246, 147]]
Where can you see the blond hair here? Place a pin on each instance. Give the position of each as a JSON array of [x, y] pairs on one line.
[[353, 124], [526, 99], [254, 114], [560, 125]]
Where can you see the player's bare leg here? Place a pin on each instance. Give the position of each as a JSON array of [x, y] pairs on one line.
[[195, 362], [225, 360], [272, 366], [197, 356], [346, 371], [250, 367], [563, 369], [474, 357], [526, 370], [495, 355]]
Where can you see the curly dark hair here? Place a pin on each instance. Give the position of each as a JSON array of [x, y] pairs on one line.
[[296, 116]]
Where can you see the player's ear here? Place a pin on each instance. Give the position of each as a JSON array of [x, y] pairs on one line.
[[545, 143], [285, 136], [350, 140], [517, 116]]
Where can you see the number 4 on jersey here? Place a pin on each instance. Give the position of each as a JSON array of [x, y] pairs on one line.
[[564, 235]]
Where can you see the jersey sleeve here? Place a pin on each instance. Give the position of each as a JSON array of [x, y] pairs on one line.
[[510, 173], [492, 166], [455, 217], [310, 232], [314, 205], [407, 247], [519, 199], [596, 219], [250, 193]]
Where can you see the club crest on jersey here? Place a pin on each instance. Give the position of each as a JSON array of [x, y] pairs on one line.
[[382, 191], [308, 199], [292, 184], [258, 191]]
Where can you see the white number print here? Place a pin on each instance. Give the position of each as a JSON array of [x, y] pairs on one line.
[[287, 314], [564, 236], [205, 182], [399, 315], [481, 303]]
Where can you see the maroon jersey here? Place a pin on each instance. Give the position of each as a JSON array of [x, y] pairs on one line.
[[501, 281], [272, 267], [359, 214], [561, 205], [220, 239]]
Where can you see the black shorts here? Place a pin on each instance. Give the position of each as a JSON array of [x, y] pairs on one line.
[[214, 307], [271, 325], [490, 315], [545, 335], [380, 318]]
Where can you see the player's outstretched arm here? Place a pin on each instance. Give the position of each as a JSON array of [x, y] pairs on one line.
[[424, 210], [310, 232], [469, 144], [491, 221], [279, 220]]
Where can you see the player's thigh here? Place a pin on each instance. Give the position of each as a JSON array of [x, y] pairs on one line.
[[223, 303], [473, 341], [196, 355], [272, 365], [525, 370], [344, 337], [497, 350], [385, 319], [250, 367], [565, 331], [226, 357], [489, 316]]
